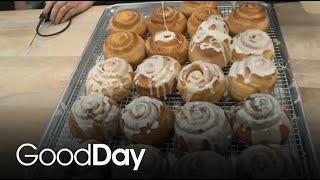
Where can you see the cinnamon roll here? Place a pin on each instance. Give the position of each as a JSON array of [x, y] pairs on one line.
[[202, 164], [153, 164], [147, 121], [156, 76], [255, 74], [251, 42], [128, 20], [112, 77], [168, 43], [211, 42], [188, 7], [267, 161], [201, 81], [260, 120], [201, 126], [248, 16], [198, 16], [94, 116], [125, 45], [166, 18]]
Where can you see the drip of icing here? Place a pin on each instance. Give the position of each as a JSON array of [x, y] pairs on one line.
[[95, 108], [139, 113], [200, 80], [257, 65], [199, 121], [252, 41], [264, 115], [159, 70], [164, 17], [165, 36]]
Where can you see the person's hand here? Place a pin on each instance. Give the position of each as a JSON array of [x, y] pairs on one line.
[[61, 11]]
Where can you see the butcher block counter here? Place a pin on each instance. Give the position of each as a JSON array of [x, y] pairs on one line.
[[32, 78]]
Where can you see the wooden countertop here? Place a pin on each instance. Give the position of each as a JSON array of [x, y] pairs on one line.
[[33, 78]]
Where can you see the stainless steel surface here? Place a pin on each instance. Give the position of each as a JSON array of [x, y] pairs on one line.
[[57, 135]]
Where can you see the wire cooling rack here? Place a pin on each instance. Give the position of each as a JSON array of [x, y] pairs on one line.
[[57, 135]]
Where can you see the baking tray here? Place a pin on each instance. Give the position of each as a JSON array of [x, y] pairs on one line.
[[57, 134]]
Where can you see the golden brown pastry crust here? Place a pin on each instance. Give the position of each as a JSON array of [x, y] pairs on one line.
[[198, 16], [125, 45], [128, 20], [248, 16], [156, 76], [201, 81], [168, 43], [162, 18], [147, 121], [188, 7]]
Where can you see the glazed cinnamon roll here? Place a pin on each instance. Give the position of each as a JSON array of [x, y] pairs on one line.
[[270, 161], [188, 7], [125, 45], [251, 42], [112, 77], [94, 116], [261, 120], [248, 16], [198, 16], [202, 164], [128, 20], [153, 164], [202, 126], [156, 76], [211, 42], [147, 121], [166, 18], [255, 74], [201, 81], [168, 43]]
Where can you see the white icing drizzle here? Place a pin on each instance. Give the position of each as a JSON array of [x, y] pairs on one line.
[[271, 161], [200, 80], [108, 75], [96, 108], [252, 41], [264, 115], [160, 72], [257, 65], [214, 28], [164, 36], [140, 113], [199, 121]]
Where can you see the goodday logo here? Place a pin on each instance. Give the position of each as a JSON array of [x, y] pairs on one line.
[[91, 152]]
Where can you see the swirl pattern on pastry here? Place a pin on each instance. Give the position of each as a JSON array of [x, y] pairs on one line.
[[202, 126], [147, 120], [188, 7], [248, 16], [94, 116], [198, 17], [156, 76], [168, 43], [261, 119], [201, 81], [112, 77], [154, 164], [202, 164], [211, 42], [252, 42], [128, 20], [166, 18], [125, 45], [267, 161]]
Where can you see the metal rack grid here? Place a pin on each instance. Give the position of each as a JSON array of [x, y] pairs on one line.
[[60, 136]]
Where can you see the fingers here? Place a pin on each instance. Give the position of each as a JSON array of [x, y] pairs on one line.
[[70, 13], [48, 6], [61, 13], [55, 10]]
